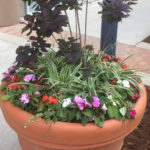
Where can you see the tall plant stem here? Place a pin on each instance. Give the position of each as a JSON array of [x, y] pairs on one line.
[[77, 13], [76, 25], [68, 23], [54, 38], [86, 23]]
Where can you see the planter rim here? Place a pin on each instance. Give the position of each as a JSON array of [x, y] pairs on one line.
[[61, 132]]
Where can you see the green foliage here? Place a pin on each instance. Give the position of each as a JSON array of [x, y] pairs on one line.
[[57, 78]]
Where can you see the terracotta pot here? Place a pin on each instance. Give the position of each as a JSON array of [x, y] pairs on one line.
[[71, 136]]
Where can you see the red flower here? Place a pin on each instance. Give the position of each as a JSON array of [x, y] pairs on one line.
[[43, 77], [112, 83], [31, 62], [45, 98], [16, 78], [31, 68], [52, 100], [8, 79], [11, 87], [21, 86], [124, 67], [136, 95], [119, 59], [104, 59], [109, 59], [15, 86], [11, 82], [132, 98], [105, 55]]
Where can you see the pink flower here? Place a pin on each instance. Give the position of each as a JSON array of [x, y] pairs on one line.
[[6, 75], [78, 99], [37, 93], [9, 70], [29, 77], [80, 106], [87, 103], [136, 95], [96, 104], [95, 98], [132, 112], [96, 101], [24, 98], [81, 103], [15, 64]]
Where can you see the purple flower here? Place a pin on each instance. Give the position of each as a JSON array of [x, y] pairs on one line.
[[37, 93], [9, 70], [109, 93], [96, 101], [78, 99], [87, 103], [29, 77], [24, 98], [6, 75], [15, 64], [81, 103]]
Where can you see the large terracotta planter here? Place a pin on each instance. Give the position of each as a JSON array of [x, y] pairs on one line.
[[71, 136]]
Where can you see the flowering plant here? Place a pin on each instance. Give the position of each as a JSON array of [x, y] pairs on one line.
[[58, 91], [73, 84]]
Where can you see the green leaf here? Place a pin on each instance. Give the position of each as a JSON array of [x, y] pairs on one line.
[[113, 112], [87, 113], [5, 97], [99, 122], [123, 111], [3, 87], [39, 115], [40, 108]]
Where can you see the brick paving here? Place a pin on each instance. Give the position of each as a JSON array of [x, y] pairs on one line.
[[141, 59]]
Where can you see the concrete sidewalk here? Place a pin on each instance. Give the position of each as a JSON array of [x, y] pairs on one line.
[[8, 45]]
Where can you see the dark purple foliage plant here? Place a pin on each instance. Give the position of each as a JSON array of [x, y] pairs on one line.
[[116, 10]]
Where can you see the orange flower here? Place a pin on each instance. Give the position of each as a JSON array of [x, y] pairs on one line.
[[45, 98], [52, 100]]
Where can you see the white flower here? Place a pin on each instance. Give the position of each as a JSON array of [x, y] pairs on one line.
[[114, 103], [119, 81], [109, 96], [104, 107], [20, 69], [126, 83], [66, 102]]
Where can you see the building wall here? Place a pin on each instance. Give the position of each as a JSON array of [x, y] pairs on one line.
[[22, 7]]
